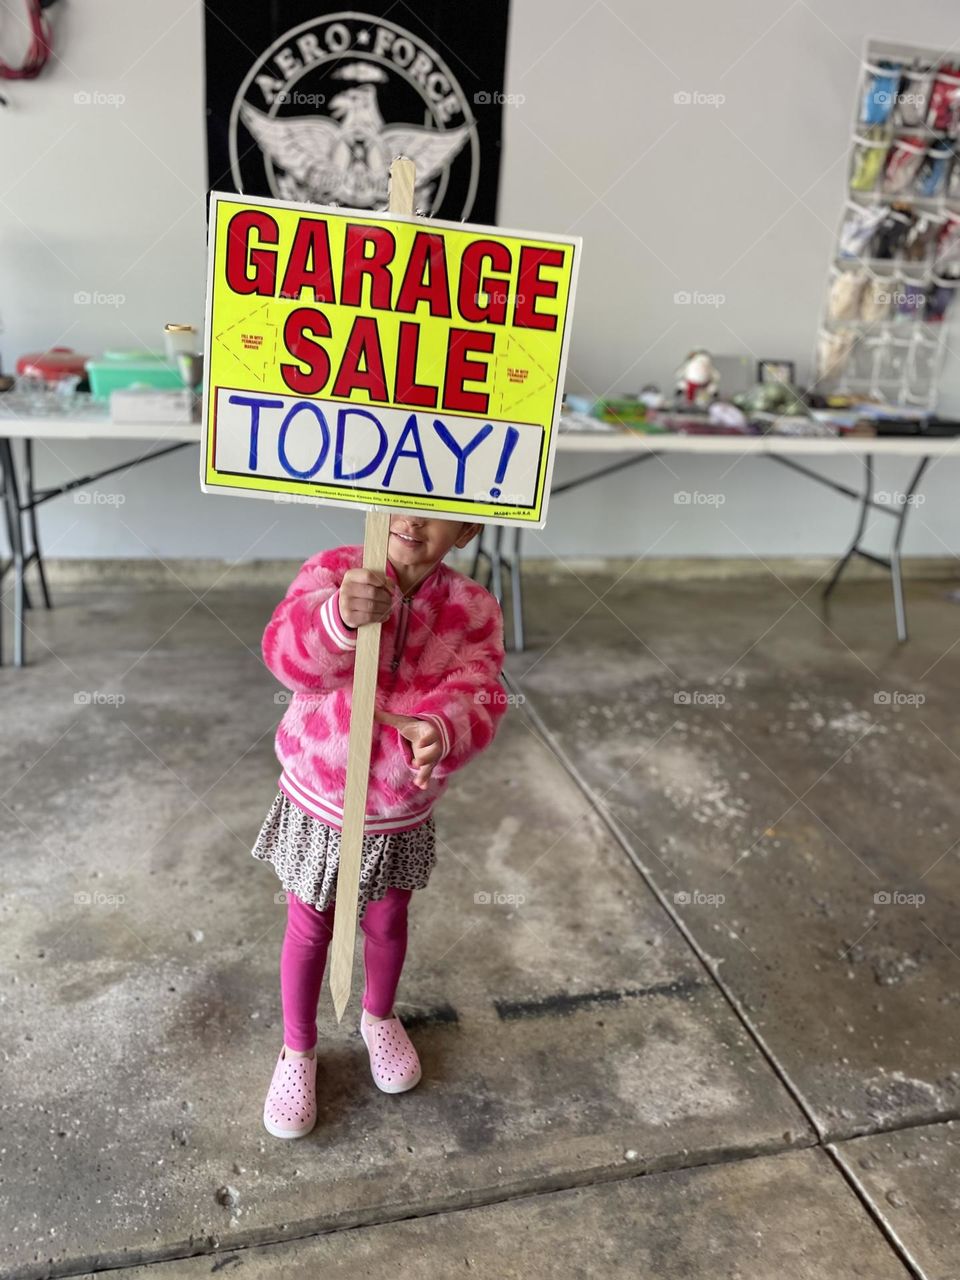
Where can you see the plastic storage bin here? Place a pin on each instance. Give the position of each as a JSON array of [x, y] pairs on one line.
[[115, 375]]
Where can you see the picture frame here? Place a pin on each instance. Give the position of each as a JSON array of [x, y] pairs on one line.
[[776, 371]]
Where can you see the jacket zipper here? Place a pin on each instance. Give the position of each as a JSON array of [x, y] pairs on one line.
[[401, 634]]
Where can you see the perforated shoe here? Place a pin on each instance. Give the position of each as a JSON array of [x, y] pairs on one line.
[[394, 1064], [290, 1110]]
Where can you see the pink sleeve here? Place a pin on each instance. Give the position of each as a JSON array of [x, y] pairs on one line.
[[468, 703], [306, 644]]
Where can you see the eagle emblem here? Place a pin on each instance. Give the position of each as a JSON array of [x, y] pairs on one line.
[[346, 159]]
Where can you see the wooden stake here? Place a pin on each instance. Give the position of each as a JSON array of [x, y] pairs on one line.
[[366, 666]]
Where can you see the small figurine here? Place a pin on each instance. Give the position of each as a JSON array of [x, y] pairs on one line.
[[697, 379]]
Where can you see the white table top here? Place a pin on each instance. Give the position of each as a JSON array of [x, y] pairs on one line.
[[596, 442], [90, 427], [636, 442]]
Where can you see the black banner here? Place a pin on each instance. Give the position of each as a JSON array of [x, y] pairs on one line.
[[308, 103]]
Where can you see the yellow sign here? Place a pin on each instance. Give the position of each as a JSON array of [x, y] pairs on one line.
[[386, 361]]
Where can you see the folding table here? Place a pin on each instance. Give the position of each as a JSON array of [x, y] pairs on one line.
[[21, 497], [631, 448]]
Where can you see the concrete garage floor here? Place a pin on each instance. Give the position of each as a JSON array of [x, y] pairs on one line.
[[698, 804]]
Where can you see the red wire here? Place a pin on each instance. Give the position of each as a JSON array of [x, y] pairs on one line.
[[40, 47]]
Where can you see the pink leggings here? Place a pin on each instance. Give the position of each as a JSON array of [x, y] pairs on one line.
[[303, 958]]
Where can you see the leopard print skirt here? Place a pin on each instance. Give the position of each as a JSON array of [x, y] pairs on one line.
[[305, 853]]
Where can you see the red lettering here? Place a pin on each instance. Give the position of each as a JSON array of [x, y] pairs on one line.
[[299, 323], [406, 388], [357, 265], [240, 256], [363, 345], [471, 286], [530, 287], [309, 265], [461, 345], [426, 257]]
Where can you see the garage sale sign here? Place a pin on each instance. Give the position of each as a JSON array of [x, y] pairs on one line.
[[384, 361]]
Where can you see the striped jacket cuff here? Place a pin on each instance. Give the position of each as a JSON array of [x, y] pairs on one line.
[[334, 625], [444, 729]]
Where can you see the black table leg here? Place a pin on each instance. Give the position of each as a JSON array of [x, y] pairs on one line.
[[495, 561], [11, 497], [866, 501], [898, 605], [35, 554], [516, 591], [496, 564]]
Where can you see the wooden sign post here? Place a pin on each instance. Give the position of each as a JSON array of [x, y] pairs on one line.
[[388, 363], [366, 665]]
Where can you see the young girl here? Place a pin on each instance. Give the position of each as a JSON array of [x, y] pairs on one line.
[[439, 702]]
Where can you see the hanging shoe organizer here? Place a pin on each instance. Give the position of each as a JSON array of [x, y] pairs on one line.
[[896, 265]]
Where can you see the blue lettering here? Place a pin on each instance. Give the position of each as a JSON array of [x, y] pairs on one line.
[[255, 405], [410, 429], [461, 454], [281, 443], [338, 472]]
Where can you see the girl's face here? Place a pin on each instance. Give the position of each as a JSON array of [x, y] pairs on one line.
[[416, 542]]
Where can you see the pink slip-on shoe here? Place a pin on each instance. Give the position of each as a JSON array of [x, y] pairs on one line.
[[290, 1110], [394, 1064]]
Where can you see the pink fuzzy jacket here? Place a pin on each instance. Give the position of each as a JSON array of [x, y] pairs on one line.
[[441, 653]]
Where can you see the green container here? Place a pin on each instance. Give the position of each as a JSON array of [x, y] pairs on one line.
[[623, 410], [136, 355], [115, 375]]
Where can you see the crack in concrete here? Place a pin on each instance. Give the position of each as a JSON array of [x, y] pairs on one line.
[[824, 1138], [380, 1215]]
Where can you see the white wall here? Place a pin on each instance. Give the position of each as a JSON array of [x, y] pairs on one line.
[[741, 199]]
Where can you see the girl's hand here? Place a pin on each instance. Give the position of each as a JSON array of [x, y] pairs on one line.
[[424, 737], [365, 596]]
